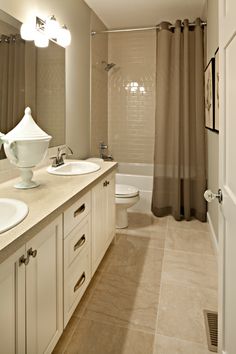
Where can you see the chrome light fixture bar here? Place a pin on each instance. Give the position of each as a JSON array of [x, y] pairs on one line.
[[45, 30]]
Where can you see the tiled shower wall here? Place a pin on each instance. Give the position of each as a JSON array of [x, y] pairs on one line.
[[131, 96], [99, 77]]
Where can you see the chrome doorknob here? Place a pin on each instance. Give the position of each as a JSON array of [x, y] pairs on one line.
[[209, 195]]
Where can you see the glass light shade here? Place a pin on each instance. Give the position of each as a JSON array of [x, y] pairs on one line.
[[27, 32], [63, 37], [52, 27], [40, 40]]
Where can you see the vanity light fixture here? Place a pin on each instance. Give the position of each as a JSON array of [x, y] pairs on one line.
[[44, 31], [64, 36], [40, 40], [51, 27]]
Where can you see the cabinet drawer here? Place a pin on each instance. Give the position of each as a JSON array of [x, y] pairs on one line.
[[77, 241], [76, 280], [76, 212]]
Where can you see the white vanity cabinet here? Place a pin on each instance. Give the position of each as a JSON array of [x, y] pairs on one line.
[[77, 253], [12, 305], [103, 218], [42, 283], [31, 294], [44, 289]]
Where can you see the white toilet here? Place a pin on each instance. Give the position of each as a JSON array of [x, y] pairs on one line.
[[126, 196]]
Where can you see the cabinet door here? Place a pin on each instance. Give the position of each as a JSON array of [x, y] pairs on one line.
[[44, 289], [110, 208], [103, 218], [12, 305], [98, 223]]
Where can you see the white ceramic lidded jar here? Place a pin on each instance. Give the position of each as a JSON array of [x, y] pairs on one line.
[[25, 146]]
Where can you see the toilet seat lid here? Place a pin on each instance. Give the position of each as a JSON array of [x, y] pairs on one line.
[[125, 191]]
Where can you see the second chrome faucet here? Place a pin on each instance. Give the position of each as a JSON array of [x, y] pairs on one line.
[[103, 156]]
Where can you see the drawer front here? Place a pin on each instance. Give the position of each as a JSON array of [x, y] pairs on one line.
[[76, 280], [76, 212], [77, 241]]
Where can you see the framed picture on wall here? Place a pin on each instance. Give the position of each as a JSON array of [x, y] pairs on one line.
[[209, 94], [216, 92]]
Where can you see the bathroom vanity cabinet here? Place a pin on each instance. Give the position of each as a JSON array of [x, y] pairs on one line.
[[77, 253], [31, 294], [103, 218], [43, 281]]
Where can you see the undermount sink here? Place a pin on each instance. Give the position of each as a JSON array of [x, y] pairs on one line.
[[73, 168], [12, 212]]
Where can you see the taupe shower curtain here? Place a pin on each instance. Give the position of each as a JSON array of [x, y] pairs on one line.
[[12, 82], [179, 154]]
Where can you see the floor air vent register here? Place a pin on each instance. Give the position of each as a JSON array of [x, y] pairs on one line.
[[211, 322]]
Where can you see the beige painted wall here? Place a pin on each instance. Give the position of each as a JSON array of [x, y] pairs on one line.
[[76, 14], [99, 78], [131, 114], [213, 138]]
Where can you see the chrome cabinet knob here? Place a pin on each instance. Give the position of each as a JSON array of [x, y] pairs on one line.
[[210, 196], [32, 252]]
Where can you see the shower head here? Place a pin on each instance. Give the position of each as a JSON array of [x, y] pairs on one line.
[[108, 66]]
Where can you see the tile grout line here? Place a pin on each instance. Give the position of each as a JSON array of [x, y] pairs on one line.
[[99, 275], [70, 336], [184, 340], [181, 285], [79, 318], [162, 282], [107, 322], [190, 252], [157, 316]]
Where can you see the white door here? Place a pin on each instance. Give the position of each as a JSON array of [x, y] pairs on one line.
[[44, 306], [12, 304], [227, 175]]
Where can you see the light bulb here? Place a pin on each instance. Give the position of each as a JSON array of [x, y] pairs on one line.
[[27, 31], [63, 36], [40, 40], [52, 27]]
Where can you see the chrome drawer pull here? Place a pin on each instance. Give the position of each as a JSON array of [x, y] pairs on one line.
[[24, 260], [80, 210], [80, 282], [32, 252], [80, 242]]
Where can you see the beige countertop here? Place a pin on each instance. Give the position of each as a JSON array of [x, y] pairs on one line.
[[45, 202]]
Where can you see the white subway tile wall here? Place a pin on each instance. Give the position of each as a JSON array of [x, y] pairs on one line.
[[99, 87], [131, 96]]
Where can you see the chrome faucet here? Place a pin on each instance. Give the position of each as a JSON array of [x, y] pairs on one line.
[[59, 159], [103, 156]]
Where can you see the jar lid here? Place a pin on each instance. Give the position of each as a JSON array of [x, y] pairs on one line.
[[27, 129]]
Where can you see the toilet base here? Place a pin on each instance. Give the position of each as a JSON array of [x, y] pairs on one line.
[[121, 218]]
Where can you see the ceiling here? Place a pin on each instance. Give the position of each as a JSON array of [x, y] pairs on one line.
[[141, 13]]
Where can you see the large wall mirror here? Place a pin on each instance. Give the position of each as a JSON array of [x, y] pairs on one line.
[[31, 76]]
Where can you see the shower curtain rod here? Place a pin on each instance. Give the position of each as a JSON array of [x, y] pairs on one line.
[[191, 24]]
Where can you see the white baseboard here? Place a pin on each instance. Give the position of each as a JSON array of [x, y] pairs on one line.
[[213, 235]]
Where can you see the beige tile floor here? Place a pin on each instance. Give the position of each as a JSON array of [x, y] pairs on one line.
[[149, 292]]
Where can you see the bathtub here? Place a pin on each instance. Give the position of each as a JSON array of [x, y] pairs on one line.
[[139, 175]]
